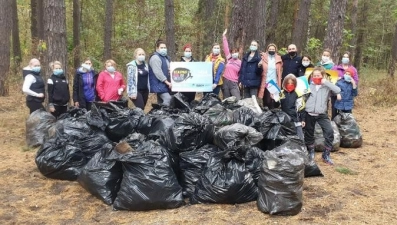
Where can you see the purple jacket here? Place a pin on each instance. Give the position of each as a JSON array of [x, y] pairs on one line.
[[341, 72]]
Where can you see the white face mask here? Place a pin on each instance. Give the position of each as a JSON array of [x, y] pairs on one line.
[[324, 58], [216, 51], [235, 55], [305, 64]]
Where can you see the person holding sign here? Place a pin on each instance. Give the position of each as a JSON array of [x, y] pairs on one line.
[[218, 67], [271, 64], [138, 79], [250, 73], [159, 76], [233, 65], [187, 57]]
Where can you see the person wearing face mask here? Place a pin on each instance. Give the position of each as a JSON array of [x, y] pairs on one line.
[[110, 85], [34, 87], [84, 83], [58, 90], [293, 104], [326, 60], [233, 65], [272, 64], [218, 67], [138, 79], [316, 111], [345, 100], [159, 75], [306, 63], [292, 62], [187, 57], [250, 74]]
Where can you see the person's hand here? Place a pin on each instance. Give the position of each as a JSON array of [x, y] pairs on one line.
[[260, 63], [120, 91], [133, 97], [272, 96], [323, 81], [76, 104], [214, 86], [224, 32], [40, 95], [240, 85], [303, 124], [339, 97], [52, 109]]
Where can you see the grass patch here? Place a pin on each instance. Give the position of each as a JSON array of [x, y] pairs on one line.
[[345, 170]]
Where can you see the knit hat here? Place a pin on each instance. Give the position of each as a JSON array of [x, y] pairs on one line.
[[187, 46], [350, 71]]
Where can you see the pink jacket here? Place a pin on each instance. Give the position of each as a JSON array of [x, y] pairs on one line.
[[279, 66], [107, 87], [233, 65]]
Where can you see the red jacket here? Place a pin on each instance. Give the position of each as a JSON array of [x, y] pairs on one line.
[[107, 87]]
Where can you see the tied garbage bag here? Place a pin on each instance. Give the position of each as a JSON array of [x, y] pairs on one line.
[[189, 132], [319, 138], [253, 161], [236, 135], [220, 115], [135, 139], [60, 158], [37, 126], [349, 131], [280, 183], [181, 102], [225, 180], [244, 116], [97, 119], [102, 177], [148, 180], [251, 103], [192, 164]]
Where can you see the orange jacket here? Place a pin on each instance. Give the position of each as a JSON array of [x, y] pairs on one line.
[[279, 66]]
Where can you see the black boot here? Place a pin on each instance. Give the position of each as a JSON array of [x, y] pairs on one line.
[[327, 156]]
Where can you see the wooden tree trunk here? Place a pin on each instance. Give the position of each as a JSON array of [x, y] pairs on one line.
[[272, 22], [206, 15], [353, 28], [333, 38], [392, 66], [170, 27], [76, 33], [5, 34], [36, 28], [107, 39], [259, 22], [361, 34], [299, 33], [16, 45]]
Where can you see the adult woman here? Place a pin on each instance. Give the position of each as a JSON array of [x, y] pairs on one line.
[[159, 76], [271, 64], [187, 57], [58, 90], [233, 65], [33, 87], [84, 92], [306, 63], [138, 79], [218, 67], [326, 60], [250, 73], [110, 84]]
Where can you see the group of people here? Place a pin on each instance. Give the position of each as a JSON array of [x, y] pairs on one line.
[[241, 77]]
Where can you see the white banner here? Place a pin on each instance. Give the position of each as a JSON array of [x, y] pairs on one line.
[[191, 76]]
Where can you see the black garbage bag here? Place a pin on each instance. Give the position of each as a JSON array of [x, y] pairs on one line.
[[253, 161], [60, 158], [97, 118], [135, 139], [350, 133], [37, 126], [191, 164], [236, 135], [189, 131], [159, 128], [181, 102], [219, 115], [123, 122], [244, 116], [319, 138], [225, 180], [209, 100], [280, 183], [161, 110], [102, 177], [92, 143], [73, 127], [148, 180]]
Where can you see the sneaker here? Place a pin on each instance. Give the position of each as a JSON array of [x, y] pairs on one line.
[[327, 157]]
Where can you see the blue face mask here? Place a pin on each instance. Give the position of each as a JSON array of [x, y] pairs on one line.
[[347, 78], [58, 72], [36, 69], [163, 51], [140, 58], [110, 69], [187, 54], [253, 48], [345, 60]]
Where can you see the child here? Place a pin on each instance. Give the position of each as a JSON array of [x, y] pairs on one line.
[[326, 60], [58, 90], [345, 100], [316, 111], [292, 103]]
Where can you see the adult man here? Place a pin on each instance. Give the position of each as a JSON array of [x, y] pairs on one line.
[[291, 62]]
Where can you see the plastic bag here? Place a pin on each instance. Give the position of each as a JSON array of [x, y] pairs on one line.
[[37, 126], [350, 133], [236, 135], [181, 102], [60, 158], [97, 119], [220, 115], [92, 143], [102, 177], [189, 131], [244, 116], [135, 139], [148, 180], [123, 122], [251, 103], [280, 183], [319, 138], [225, 180], [253, 161], [191, 164]]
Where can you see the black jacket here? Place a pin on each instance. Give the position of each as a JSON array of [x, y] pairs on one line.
[[291, 65], [58, 90], [288, 105], [250, 75], [38, 87], [78, 88]]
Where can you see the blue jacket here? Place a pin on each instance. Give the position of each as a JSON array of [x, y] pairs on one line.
[[156, 86], [250, 74], [347, 93], [291, 65]]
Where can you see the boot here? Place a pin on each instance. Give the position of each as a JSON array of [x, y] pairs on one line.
[[310, 151], [327, 156]]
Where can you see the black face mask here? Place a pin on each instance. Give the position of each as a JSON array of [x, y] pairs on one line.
[[272, 52], [292, 53]]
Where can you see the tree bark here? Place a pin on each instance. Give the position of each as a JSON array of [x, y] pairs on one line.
[[107, 39], [361, 34], [36, 27], [76, 33], [260, 22], [353, 28], [5, 35], [392, 66], [238, 30], [170, 27], [206, 15], [301, 24], [272, 22], [334, 36], [16, 45]]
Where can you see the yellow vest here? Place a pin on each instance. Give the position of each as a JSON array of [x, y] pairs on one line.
[[215, 66]]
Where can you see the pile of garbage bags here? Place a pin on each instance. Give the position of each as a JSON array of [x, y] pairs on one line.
[[201, 152]]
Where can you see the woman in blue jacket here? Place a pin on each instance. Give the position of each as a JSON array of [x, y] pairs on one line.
[[250, 73]]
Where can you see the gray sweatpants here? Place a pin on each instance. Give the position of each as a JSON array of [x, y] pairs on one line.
[[250, 91], [230, 88]]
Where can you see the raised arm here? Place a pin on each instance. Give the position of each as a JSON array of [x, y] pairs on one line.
[[226, 49]]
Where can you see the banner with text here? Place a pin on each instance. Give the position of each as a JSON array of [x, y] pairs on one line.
[[191, 76]]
